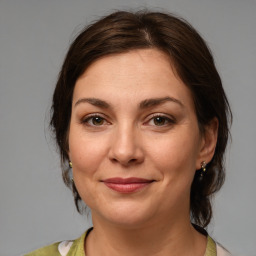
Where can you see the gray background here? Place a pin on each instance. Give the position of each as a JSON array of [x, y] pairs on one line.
[[35, 207]]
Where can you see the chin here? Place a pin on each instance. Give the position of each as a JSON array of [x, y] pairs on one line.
[[127, 216]]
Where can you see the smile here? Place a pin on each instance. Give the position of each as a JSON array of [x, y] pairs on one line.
[[128, 185]]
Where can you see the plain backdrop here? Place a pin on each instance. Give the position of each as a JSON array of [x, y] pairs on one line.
[[35, 207]]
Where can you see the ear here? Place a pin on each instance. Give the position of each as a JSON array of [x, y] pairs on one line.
[[208, 142]]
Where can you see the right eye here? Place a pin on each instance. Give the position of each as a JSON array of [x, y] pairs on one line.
[[94, 120]]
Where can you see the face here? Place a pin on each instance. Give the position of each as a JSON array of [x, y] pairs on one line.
[[134, 140]]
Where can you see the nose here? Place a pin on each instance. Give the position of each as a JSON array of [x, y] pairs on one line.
[[126, 147]]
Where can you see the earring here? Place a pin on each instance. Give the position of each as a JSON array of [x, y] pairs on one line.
[[70, 166], [203, 168]]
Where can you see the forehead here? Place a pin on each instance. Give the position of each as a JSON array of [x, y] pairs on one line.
[[137, 74]]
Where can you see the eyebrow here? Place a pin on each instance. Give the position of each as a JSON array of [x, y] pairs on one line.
[[147, 103], [93, 101], [158, 101]]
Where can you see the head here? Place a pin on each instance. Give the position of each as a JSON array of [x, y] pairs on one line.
[[190, 60]]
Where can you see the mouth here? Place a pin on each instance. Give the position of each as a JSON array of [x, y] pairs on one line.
[[127, 185]]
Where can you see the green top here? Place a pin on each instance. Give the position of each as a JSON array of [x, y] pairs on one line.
[[77, 248]]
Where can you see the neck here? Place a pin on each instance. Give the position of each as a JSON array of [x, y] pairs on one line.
[[158, 239]]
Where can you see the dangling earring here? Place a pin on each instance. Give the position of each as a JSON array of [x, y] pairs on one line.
[[203, 168], [70, 166]]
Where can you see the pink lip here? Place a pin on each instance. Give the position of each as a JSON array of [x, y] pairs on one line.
[[128, 185]]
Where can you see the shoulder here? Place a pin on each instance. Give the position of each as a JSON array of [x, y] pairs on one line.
[[60, 249], [215, 248], [47, 250], [64, 248], [221, 251]]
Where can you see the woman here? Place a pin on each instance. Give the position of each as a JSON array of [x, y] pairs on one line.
[[141, 121]]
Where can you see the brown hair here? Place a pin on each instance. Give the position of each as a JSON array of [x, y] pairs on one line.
[[123, 31]]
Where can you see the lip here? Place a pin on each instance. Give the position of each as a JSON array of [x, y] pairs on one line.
[[127, 185]]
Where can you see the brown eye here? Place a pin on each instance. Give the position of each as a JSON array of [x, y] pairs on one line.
[[97, 120], [94, 120], [160, 120]]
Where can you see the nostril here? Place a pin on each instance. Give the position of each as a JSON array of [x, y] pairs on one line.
[[132, 160], [125, 162], [125, 153], [114, 160]]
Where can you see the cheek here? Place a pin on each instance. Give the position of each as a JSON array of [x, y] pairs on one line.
[[176, 156], [86, 153]]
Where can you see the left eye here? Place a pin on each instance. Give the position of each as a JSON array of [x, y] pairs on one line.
[[160, 121]]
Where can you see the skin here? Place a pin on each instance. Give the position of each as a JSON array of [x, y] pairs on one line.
[[117, 130]]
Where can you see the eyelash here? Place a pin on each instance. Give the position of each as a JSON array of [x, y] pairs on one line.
[[89, 119], [167, 120]]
